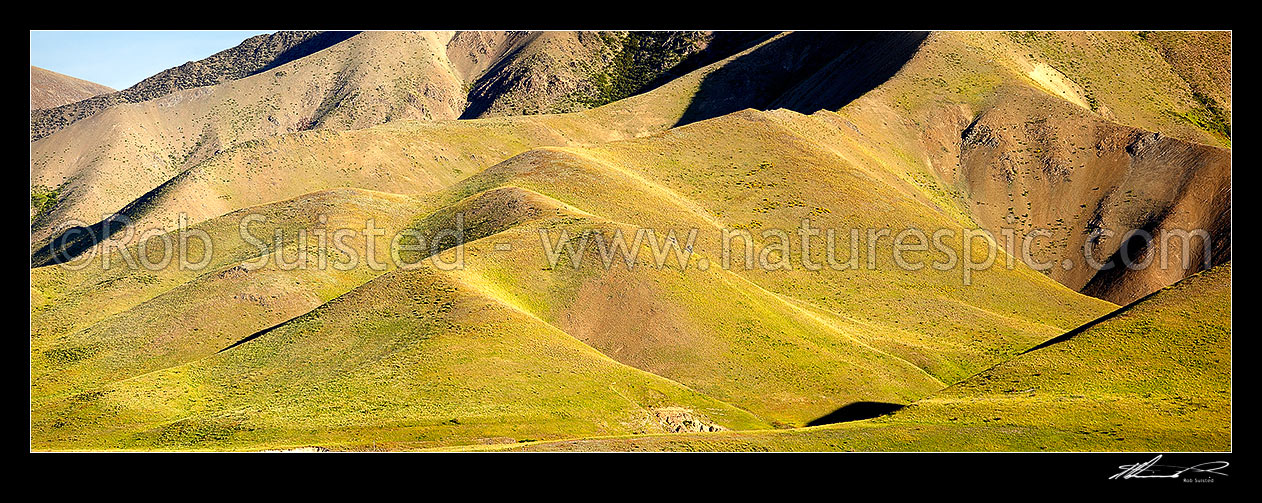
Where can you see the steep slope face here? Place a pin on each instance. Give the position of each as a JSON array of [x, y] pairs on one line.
[[1047, 133], [1203, 60], [51, 89], [1120, 212], [255, 54], [1153, 376], [473, 52], [804, 72]]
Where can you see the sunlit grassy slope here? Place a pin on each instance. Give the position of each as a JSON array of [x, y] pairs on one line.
[[513, 349], [411, 359], [752, 348], [1153, 376], [747, 170], [429, 359], [95, 325]]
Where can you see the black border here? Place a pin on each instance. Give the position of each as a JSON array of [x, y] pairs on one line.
[[985, 476], [654, 16]]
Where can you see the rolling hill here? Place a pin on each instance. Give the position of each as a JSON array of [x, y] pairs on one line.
[[1152, 376], [519, 139]]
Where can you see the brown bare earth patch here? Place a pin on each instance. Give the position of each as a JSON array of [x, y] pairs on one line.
[[1036, 163]]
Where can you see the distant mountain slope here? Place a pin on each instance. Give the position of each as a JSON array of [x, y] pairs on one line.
[[98, 164], [51, 89], [1152, 376], [375, 77], [254, 55]]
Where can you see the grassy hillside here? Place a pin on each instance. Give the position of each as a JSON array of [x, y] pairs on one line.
[[433, 363], [787, 347], [89, 188], [1153, 376], [100, 164], [726, 172], [892, 131], [995, 126], [476, 369]]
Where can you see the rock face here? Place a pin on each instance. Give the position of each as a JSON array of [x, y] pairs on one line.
[[254, 55], [50, 89], [681, 420], [554, 72]]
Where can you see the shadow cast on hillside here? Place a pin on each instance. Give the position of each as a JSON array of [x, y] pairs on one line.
[[855, 412], [319, 42], [74, 241], [1083, 328], [804, 72], [493, 82]]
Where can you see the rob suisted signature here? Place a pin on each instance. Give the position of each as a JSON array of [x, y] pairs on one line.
[[1152, 470]]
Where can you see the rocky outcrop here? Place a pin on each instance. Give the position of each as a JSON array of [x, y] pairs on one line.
[[681, 420]]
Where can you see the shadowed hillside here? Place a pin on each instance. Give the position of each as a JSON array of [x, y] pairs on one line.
[[804, 72]]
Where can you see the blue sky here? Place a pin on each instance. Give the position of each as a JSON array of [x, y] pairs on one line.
[[120, 59]]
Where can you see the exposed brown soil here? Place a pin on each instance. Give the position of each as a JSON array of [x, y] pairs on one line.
[[1036, 163]]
